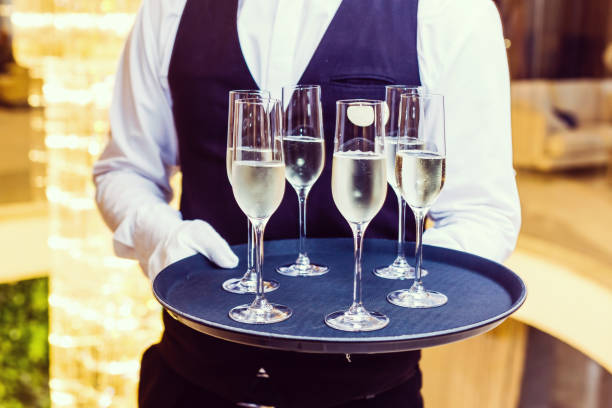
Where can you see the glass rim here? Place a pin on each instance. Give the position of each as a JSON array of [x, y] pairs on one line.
[[302, 86], [395, 86], [423, 95], [250, 91], [259, 101], [360, 102]]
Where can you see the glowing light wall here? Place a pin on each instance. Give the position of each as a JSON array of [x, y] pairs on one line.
[[102, 313]]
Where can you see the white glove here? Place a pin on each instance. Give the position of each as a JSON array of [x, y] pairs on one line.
[[157, 236]]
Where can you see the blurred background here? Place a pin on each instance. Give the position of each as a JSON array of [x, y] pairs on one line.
[[74, 319]]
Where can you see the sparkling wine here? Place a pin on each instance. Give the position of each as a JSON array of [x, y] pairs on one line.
[[359, 184], [390, 153], [420, 176], [258, 186], [245, 153], [304, 158], [229, 158]]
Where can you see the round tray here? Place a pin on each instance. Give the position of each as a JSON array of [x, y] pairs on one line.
[[481, 294]]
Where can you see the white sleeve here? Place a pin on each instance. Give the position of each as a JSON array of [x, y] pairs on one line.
[[132, 174], [462, 55]]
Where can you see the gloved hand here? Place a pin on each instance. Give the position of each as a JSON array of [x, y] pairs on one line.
[[157, 236]]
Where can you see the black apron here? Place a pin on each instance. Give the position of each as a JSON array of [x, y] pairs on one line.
[[368, 44]]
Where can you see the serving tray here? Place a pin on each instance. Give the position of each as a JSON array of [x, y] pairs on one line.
[[481, 294]]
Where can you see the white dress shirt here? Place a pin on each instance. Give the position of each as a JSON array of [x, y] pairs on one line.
[[461, 55]]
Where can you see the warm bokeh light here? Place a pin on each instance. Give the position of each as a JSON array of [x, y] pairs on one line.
[[102, 314]]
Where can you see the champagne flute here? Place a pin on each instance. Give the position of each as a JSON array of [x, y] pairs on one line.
[[258, 183], [420, 170], [359, 189], [400, 268], [304, 149], [248, 282]]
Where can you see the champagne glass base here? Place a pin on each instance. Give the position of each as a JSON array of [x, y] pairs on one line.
[[302, 270], [347, 320], [399, 272], [417, 299], [268, 313], [243, 286]]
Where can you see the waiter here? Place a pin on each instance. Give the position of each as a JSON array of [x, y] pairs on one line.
[[170, 109]]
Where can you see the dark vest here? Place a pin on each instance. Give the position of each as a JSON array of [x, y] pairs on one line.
[[368, 44]]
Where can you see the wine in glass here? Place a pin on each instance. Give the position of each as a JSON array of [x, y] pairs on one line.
[[359, 189], [420, 170], [400, 268], [248, 282], [258, 183], [304, 149]]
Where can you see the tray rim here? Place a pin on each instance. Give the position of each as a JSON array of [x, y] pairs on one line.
[[370, 345]]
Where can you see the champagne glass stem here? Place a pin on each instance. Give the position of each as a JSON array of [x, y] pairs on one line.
[[248, 282], [260, 310], [302, 265], [417, 296], [250, 247], [419, 217], [258, 228], [358, 230], [302, 256], [401, 227]]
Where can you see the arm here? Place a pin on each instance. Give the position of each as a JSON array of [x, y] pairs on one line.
[[132, 174], [462, 56]]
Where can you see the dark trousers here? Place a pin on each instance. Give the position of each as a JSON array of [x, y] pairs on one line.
[[161, 387]]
